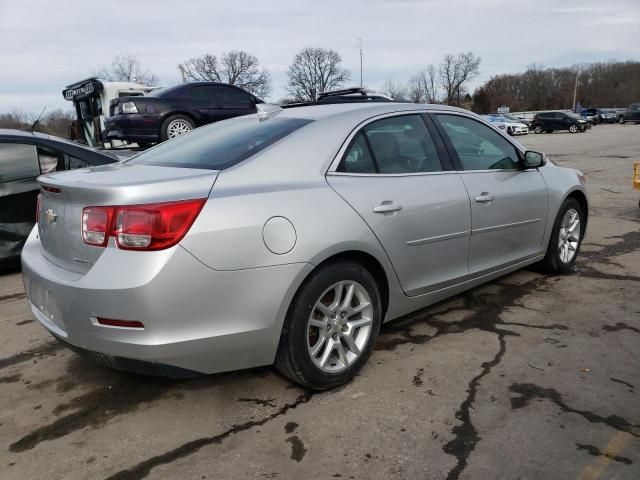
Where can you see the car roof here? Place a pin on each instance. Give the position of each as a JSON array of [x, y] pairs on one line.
[[367, 109], [72, 148]]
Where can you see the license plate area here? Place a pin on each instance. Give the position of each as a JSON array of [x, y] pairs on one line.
[[46, 303]]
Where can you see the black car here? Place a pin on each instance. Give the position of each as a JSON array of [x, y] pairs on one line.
[[550, 121], [631, 114], [24, 156], [174, 111]]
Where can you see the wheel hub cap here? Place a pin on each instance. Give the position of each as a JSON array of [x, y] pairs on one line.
[[339, 326]]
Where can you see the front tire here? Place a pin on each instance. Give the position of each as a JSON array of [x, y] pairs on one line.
[[331, 326], [573, 129], [566, 238], [175, 126]]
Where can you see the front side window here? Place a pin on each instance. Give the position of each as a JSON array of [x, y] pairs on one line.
[[394, 145], [18, 161], [220, 145], [478, 147]]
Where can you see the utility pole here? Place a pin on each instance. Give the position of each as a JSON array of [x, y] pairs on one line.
[[181, 68], [575, 90], [361, 56]]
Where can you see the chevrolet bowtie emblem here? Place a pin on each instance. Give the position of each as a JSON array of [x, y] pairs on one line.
[[51, 216]]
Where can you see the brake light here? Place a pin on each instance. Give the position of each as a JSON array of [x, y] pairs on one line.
[[153, 226]]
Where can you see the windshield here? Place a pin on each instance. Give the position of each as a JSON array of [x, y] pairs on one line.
[[220, 145]]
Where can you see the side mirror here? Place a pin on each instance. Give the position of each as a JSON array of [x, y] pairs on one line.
[[533, 159]]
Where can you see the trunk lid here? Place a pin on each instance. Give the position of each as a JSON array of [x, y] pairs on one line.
[[65, 195]]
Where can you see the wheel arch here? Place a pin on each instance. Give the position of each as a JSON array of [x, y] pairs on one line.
[[368, 261], [584, 205]]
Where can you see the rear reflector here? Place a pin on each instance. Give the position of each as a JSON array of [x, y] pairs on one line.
[[154, 226], [119, 323], [49, 189]]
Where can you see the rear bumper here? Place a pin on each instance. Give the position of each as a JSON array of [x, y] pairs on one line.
[[195, 318], [133, 127]]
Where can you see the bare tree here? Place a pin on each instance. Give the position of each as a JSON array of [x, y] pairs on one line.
[[236, 68], [240, 68], [424, 87], [202, 69], [126, 68], [313, 71], [397, 91], [455, 71]]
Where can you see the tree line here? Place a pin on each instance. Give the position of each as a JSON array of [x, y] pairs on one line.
[[607, 84], [56, 122]]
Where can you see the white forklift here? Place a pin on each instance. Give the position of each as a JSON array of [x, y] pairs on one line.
[[91, 100]]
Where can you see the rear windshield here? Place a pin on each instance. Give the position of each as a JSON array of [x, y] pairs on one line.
[[221, 145]]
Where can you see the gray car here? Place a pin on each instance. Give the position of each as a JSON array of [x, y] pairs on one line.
[[289, 237]]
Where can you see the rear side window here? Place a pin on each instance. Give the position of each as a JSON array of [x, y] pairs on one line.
[[18, 161], [394, 145], [49, 160], [220, 145]]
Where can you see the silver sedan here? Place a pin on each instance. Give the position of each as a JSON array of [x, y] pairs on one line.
[[289, 237]]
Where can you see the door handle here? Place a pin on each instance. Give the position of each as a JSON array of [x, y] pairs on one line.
[[484, 197], [387, 207]]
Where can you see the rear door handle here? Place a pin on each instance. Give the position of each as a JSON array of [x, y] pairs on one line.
[[484, 197], [387, 207]]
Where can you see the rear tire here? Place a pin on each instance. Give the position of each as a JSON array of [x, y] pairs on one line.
[[324, 343], [621, 119], [537, 129], [565, 240], [175, 126]]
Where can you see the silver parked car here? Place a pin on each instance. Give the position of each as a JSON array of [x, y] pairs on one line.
[[290, 237]]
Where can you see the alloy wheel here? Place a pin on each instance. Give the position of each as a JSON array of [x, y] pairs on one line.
[[569, 235], [178, 127], [339, 326]]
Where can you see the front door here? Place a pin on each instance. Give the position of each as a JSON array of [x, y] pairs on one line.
[[509, 205], [391, 174]]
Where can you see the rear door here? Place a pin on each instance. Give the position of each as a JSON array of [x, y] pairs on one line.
[[18, 194], [634, 112], [508, 204], [394, 173]]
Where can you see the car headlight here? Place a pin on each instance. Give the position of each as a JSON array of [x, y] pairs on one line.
[[129, 107]]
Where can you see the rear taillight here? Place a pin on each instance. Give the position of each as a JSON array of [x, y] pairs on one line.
[[140, 227], [96, 224]]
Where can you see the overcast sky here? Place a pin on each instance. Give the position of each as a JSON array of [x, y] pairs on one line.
[[47, 44]]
